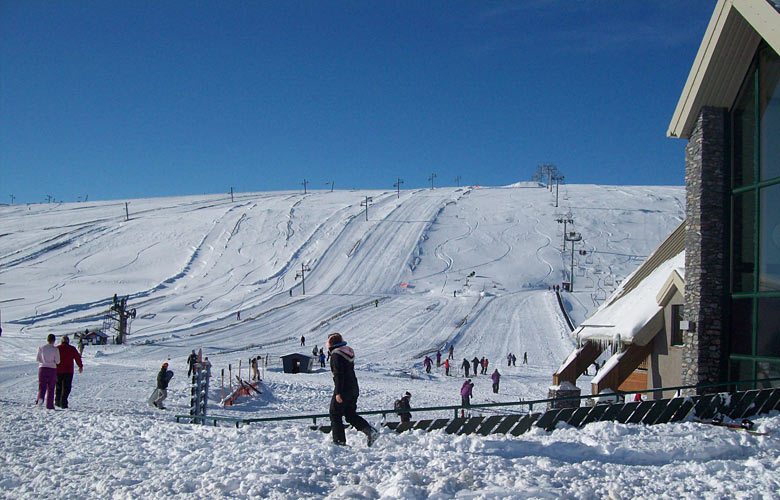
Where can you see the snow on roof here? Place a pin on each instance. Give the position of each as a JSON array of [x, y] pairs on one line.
[[625, 317]]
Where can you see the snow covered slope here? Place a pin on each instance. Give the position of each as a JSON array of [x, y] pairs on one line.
[[468, 266]]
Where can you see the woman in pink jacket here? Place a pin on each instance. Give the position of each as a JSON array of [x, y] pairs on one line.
[[48, 359]]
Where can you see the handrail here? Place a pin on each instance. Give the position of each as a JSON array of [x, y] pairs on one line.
[[530, 403]]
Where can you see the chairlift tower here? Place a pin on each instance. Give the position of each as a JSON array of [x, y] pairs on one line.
[[573, 237], [564, 221], [302, 275], [118, 319], [366, 203]]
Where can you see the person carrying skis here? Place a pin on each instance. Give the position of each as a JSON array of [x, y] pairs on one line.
[[427, 362], [447, 367], [496, 379], [475, 362], [403, 404], [345, 392], [466, 392], [164, 377], [191, 360], [68, 354], [466, 365]]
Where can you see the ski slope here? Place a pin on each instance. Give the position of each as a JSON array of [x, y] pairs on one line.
[[468, 267], [429, 268]]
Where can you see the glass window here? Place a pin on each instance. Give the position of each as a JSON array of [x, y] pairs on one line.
[[769, 68], [765, 369], [742, 370], [769, 231], [768, 328], [676, 337], [743, 125], [741, 338], [743, 242]]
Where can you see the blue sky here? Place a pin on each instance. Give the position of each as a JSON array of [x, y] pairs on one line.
[[116, 100]]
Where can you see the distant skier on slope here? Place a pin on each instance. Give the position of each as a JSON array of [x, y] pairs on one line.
[[345, 392]]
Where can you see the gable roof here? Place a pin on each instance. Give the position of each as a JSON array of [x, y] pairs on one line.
[[735, 30]]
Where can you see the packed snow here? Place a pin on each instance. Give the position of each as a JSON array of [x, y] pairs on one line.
[[471, 267]]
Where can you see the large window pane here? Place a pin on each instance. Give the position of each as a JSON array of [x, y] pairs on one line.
[[743, 126], [741, 336], [743, 242], [764, 370], [741, 370], [768, 328], [769, 68], [769, 236]]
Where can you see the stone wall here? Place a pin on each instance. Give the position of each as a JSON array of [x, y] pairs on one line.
[[706, 262]]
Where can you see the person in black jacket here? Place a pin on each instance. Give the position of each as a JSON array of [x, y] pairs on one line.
[[404, 404], [345, 392], [164, 377]]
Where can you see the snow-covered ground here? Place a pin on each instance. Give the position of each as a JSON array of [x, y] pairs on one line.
[[463, 266]]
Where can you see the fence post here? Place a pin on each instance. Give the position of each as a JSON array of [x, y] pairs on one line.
[[199, 391]]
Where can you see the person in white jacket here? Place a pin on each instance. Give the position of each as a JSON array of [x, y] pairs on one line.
[[48, 359]]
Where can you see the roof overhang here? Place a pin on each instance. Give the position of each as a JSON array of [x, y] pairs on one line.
[[675, 283], [726, 51]]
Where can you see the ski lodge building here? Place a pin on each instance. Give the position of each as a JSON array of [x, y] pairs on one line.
[[705, 306]]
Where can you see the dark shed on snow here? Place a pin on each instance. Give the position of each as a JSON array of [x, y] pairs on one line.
[[297, 363]]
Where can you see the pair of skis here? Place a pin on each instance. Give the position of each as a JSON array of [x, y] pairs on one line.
[[746, 425]]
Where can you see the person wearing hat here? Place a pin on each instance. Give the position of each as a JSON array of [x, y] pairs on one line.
[[164, 377], [404, 404], [345, 392], [68, 354], [465, 392]]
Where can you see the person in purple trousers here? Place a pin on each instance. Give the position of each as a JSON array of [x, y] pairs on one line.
[[48, 359]]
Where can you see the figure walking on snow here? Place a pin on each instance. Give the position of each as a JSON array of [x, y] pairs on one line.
[[509, 359], [514, 360], [68, 354], [496, 379], [466, 392], [451, 354], [303, 340], [164, 377], [438, 358], [191, 360], [427, 362], [525, 358], [475, 362], [48, 359], [447, 367], [345, 392], [466, 365]]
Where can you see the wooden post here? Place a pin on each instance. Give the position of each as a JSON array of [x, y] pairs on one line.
[[230, 377], [222, 387], [127, 212], [239, 368]]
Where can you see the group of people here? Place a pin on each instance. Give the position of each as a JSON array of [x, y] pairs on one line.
[[55, 371], [319, 355], [511, 359]]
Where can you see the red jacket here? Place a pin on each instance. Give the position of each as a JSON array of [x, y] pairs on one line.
[[68, 354]]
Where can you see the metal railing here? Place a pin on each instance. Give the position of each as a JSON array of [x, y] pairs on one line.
[[612, 397]]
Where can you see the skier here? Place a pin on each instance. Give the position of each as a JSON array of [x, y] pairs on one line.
[[303, 340], [466, 392], [345, 392], [48, 359], [475, 362], [447, 367], [509, 359], [164, 377], [191, 360], [496, 379], [466, 365], [68, 354], [427, 362], [525, 358], [403, 404], [451, 354], [438, 358]]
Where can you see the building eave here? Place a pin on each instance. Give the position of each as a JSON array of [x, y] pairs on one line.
[[735, 30]]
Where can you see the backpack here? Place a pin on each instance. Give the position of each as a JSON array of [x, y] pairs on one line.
[[397, 404]]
